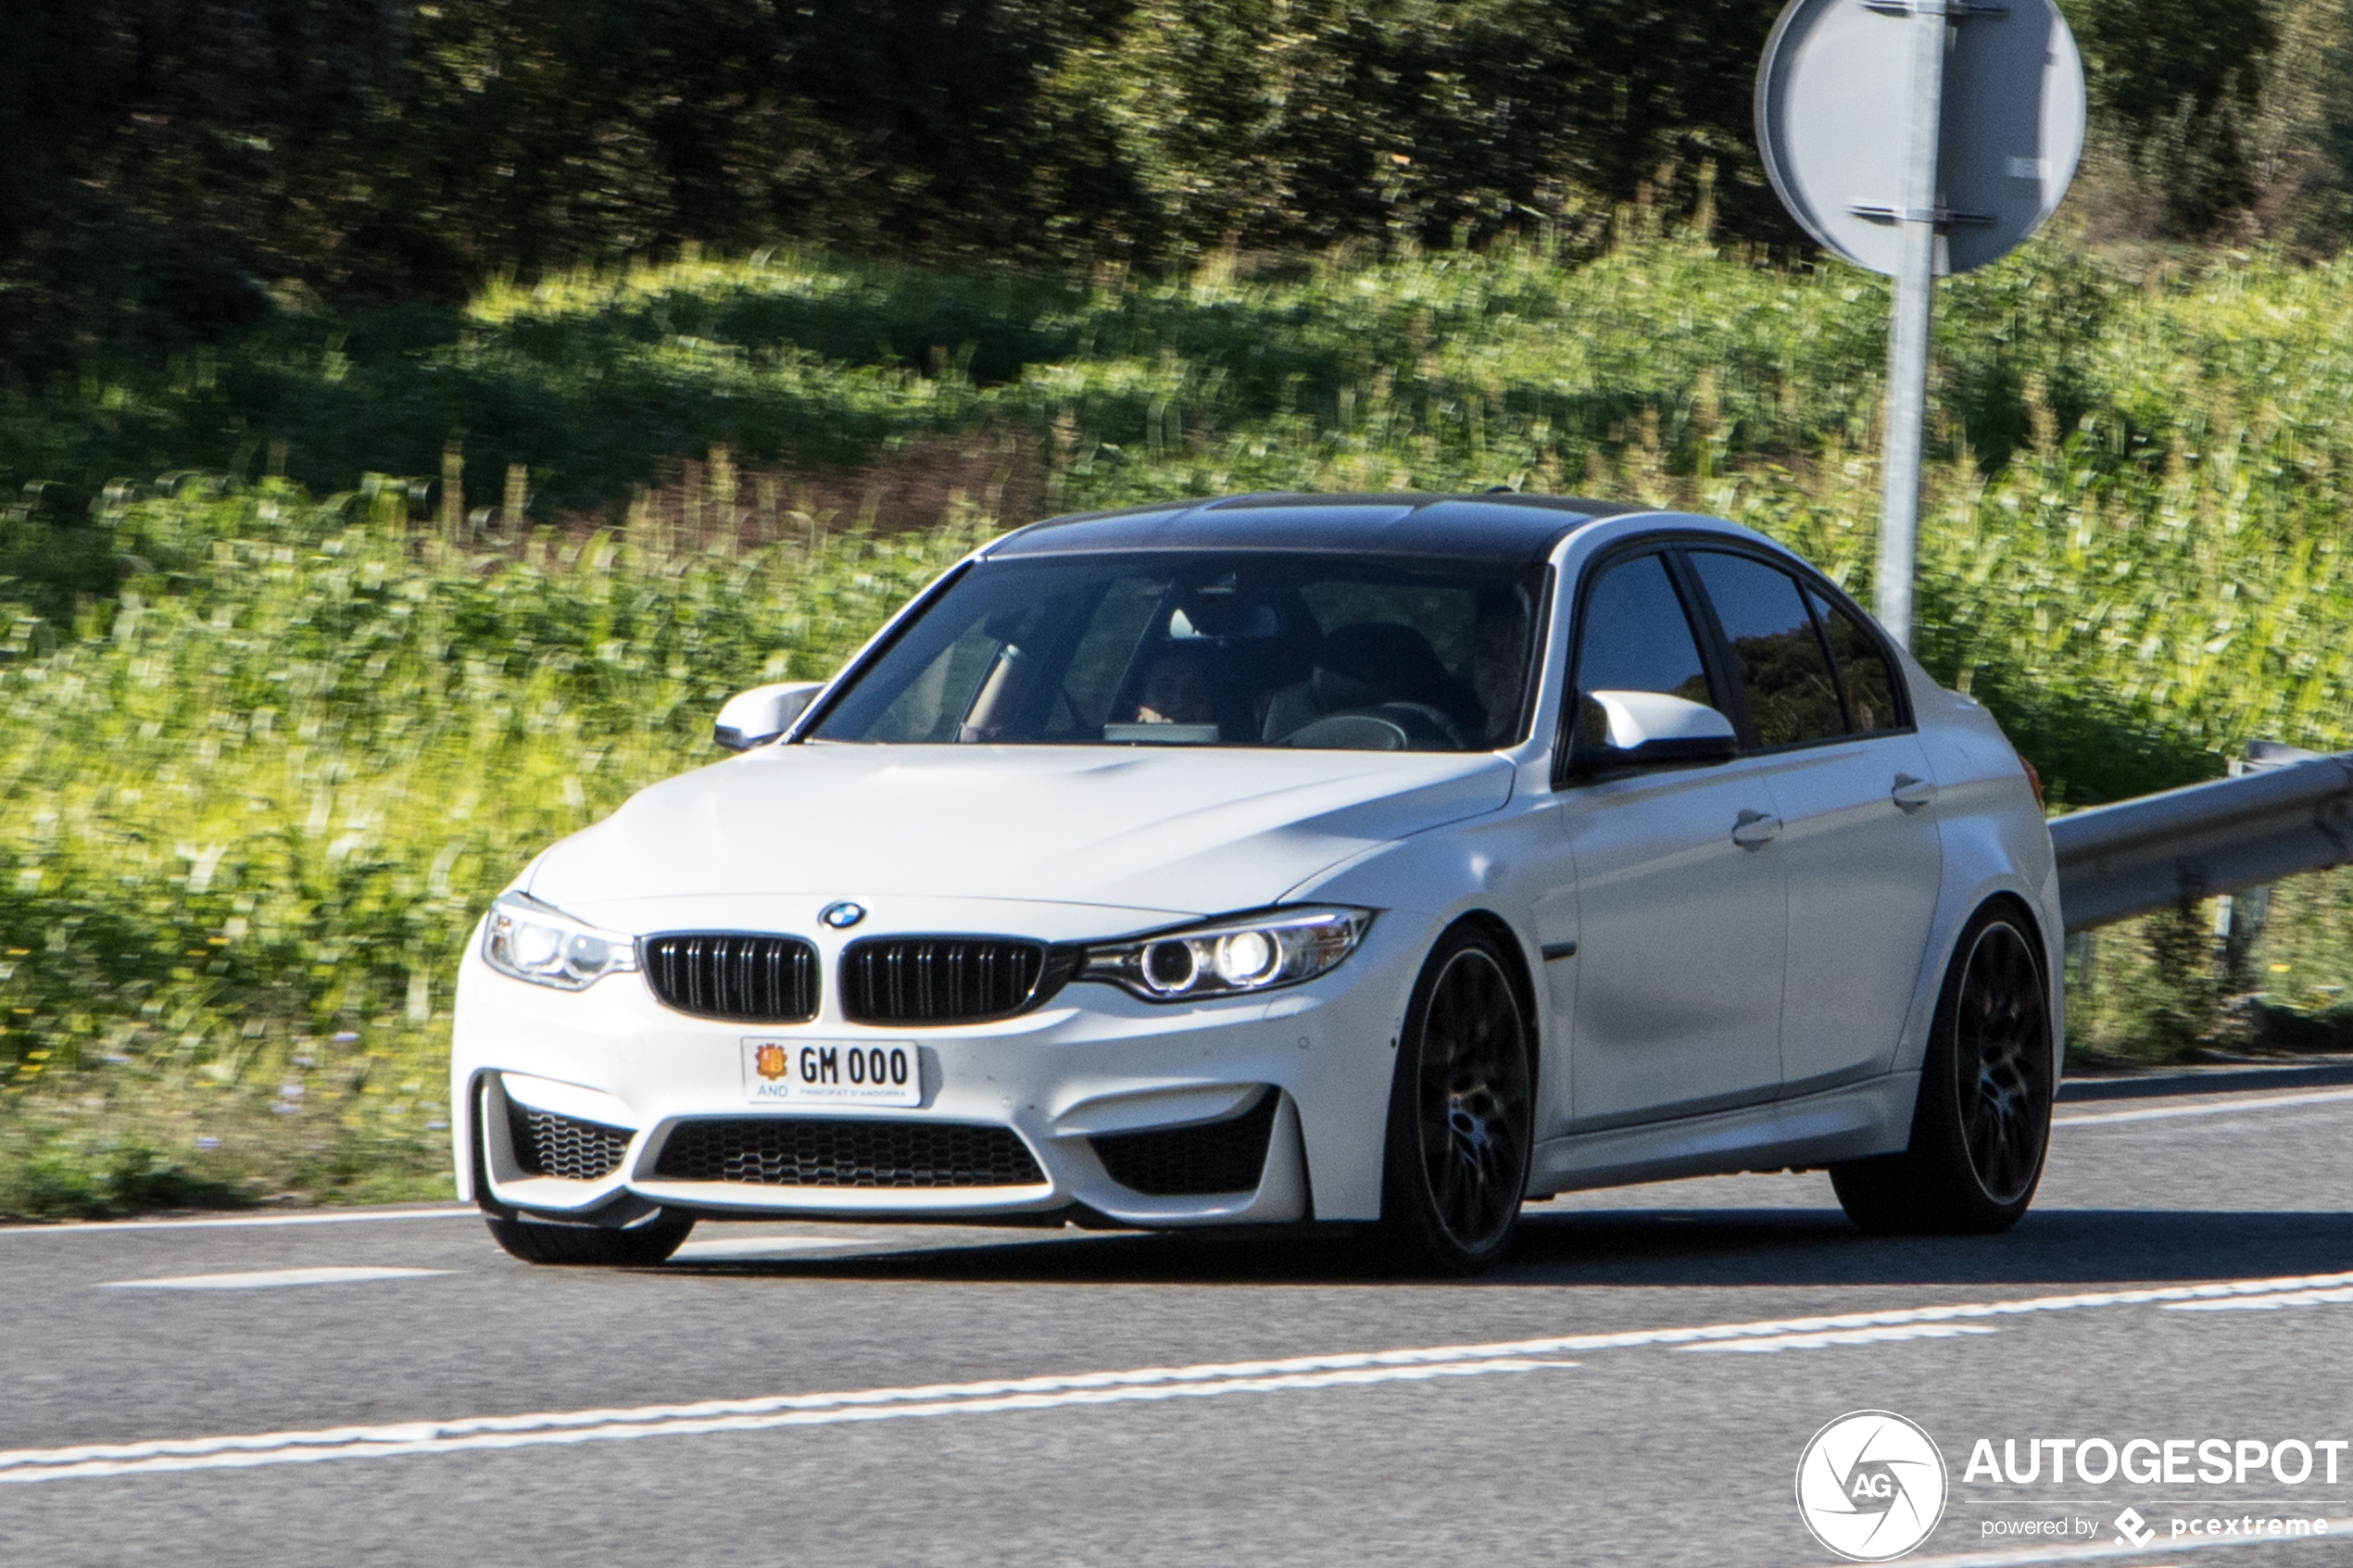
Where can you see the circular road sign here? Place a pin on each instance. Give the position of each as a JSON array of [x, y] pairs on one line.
[[1833, 104]]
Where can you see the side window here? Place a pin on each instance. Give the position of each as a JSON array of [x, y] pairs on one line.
[[1635, 638], [1791, 695], [1862, 669]]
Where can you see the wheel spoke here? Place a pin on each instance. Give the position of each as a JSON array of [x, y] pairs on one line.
[[1473, 1099], [2001, 1058]]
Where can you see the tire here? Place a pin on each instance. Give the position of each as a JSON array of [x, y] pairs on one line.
[[1982, 1125], [639, 1247], [1461, 1113]]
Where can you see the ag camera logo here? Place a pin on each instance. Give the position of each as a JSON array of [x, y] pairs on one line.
[[1870, 1486]]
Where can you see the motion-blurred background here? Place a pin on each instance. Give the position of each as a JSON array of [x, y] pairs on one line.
[[415, 418]]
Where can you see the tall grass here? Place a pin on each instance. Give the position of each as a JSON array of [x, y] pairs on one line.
[[267, 754], [255, 810]]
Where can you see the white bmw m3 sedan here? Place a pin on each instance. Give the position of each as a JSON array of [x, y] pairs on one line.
[[1382, 860]]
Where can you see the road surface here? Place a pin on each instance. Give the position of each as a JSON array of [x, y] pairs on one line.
[[1635, 1386]]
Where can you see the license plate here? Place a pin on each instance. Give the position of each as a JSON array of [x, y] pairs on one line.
[[832, 1072]]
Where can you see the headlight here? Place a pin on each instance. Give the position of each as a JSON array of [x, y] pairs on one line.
[[528, 940], [1230, 957]]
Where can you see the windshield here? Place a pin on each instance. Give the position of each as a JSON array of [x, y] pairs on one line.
[[1327, 651]]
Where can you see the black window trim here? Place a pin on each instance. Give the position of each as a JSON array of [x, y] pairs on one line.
[[1609, 559], [1807, 577], [1715, 653], [1807, 598]]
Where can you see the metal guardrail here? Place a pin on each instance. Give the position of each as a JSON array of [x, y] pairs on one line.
[[2290, 811]]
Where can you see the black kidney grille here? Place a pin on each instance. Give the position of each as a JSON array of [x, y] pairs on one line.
[[943, 979], [549, 1145], [747, 979], [1193, 1162], [808, 1152]]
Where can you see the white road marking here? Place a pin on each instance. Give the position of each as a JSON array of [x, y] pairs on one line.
[[1042, 1393], [2208, 1108], [268, 1279], [2268, 1303], [2114, 1549], [1847, 1337], [749, 1415], [118, 1227]]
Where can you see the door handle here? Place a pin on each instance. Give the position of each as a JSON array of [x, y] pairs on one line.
[[1911, 794], [1756, 829]]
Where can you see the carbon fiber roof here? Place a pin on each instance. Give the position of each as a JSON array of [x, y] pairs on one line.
[[1501, 526]]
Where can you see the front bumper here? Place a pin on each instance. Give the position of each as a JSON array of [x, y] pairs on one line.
[[1082, 1083]]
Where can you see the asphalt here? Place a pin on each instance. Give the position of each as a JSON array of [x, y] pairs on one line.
[[1560, 1414]]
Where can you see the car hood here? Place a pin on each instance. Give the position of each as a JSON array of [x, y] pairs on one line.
[[1182, 831]]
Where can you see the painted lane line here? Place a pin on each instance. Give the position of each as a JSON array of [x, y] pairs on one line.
[[412, 1440], [919, 1394], [1848, 1336], [268, 1279], [2214, 1108], [2268, 1303], [1959, 1311], [2115, 1550], [27, 1464], [117, 1227]]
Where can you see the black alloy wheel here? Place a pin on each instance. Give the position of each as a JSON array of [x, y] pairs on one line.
[[2002, 1054], [1461, 1112], [1982, 1123]]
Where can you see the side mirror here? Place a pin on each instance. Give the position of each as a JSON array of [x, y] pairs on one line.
[[763, 713], [1652, 730]]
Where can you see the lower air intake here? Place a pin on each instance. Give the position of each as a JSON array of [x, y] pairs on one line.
[[1219, 1157], [807, 1152], [549, 1145]]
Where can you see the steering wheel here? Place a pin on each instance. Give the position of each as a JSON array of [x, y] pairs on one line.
[[1381, 727]]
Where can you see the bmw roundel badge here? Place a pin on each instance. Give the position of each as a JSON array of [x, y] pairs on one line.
[[842, 916]]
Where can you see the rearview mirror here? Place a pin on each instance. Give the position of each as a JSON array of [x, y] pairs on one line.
[[763, 713], [1650, 730]]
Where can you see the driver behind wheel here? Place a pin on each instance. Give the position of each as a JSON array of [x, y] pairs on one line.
[[1175, 689]]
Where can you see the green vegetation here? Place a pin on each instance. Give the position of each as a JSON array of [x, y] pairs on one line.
[[257, 804], [168, 170], [2136, 503], [268, 755]]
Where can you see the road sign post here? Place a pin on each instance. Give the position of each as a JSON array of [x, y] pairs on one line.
[[1908, 332], [1918, 138]]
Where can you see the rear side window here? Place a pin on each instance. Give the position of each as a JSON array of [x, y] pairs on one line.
[[1777, 654], [1635, 636], [1862, 669]]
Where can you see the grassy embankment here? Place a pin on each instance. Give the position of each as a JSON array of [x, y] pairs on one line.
[[268, 755]]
